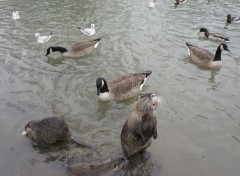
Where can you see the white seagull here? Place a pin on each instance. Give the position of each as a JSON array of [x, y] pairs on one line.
[[15, 15], [43, 39], [152, 3], [88, 31]]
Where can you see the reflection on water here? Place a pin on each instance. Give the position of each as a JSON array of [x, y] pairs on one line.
[[199, 126]]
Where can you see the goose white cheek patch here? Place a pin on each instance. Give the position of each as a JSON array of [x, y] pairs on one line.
[[102, 84], [221, 47]]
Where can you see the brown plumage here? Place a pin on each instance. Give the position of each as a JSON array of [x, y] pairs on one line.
[[205, 58], [78, 50], [122, 87]]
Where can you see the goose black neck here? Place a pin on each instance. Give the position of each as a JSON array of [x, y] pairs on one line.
[[218, 54], [59, 48]]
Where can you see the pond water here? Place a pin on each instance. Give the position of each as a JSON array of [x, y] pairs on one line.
[[199, 125]]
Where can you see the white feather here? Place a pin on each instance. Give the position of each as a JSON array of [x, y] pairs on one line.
[[106, 96], [141, 86], [15, 15], [188, 51], [152, 4], [96, 45]]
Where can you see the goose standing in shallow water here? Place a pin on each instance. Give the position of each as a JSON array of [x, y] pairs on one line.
[[77, 50], [88, 31], [43, 39], [15, 15], [205, 58], [177, 2], [231, 19], [121, 88], [214, 36]]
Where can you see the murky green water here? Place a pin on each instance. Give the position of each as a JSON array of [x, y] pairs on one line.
[[198, 127]]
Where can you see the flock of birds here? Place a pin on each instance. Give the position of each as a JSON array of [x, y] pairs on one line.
[[128, 86], [203, 57], [199, 56]]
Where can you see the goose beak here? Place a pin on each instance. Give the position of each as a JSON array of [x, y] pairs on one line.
[[228, 50]]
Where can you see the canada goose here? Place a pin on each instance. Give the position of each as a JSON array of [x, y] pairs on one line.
[[214, 36], [231, 19], [205, 58], [121, 88], [88, 31], [177, 2], [43, 39], [15, 15], [77, 50], [152, 3]]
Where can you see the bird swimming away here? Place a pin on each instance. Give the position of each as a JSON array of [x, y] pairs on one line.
[[78, 50], [43, 39], [213, 36], [88, 31], [205, 58], [121, 88], [15, 14], [231, 19], [152, 3]]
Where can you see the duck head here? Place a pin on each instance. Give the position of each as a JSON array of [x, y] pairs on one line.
[[92, 26], [229, 18], [203, 30]]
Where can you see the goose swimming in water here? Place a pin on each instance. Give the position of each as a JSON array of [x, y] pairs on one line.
[[231, 19], [204, 58], [15, 15], [43, 39], [177, 2], [121, 88], [77, 50], [214, 36], [152, 3], [88, 31]]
